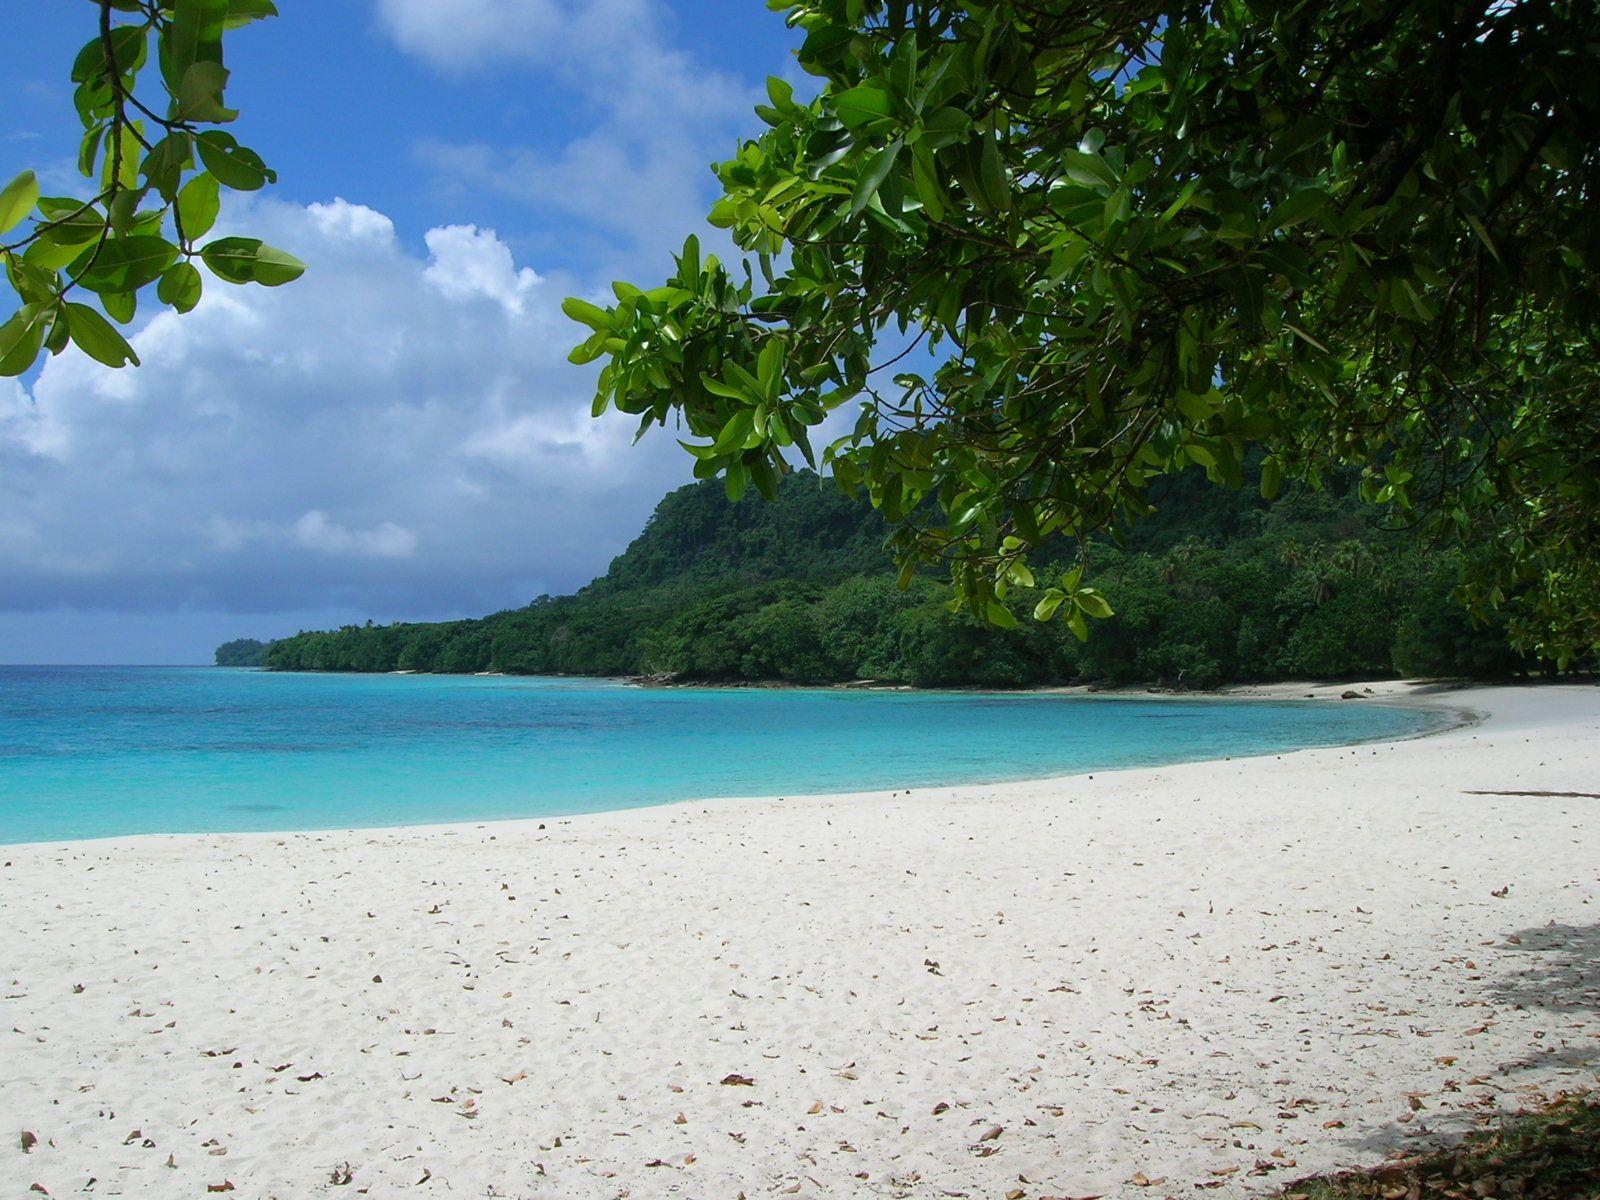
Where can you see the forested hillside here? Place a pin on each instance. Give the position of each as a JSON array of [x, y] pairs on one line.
[[241, 652], [1217, 587]]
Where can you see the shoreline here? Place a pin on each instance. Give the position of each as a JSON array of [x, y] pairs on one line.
[[1227, 974]]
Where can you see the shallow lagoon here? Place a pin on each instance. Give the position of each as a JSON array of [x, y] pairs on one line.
[[106, 751]]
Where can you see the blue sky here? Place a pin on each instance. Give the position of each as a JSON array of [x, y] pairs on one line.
[[398, 435]]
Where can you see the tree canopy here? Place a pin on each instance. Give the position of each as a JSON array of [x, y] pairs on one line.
[[156, 161], [1058, 251]]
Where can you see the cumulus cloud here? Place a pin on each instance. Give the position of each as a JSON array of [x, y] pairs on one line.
[[469, 262], [398, 433]]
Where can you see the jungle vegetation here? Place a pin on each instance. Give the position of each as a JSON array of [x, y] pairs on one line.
[[241, 652], [1217, 587]]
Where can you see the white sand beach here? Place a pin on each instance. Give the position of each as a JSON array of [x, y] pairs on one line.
[[1197, 980]]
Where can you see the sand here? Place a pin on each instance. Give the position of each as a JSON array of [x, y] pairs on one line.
[[1196, 980]]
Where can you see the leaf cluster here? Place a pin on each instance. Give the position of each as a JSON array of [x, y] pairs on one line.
[[1055, 252], [156, 162]]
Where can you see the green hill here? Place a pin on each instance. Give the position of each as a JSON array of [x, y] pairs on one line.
[[242, 652], [1216, 587]]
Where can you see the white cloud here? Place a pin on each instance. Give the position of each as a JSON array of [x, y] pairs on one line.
[[317, 531], [461, 35], [398, 432], [314, 530], [651, 118], [468, 262]]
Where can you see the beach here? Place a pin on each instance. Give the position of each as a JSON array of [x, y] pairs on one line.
[[1209, 978]]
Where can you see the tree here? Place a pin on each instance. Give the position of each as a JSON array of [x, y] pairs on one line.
[[1132, 238], [156, 161]]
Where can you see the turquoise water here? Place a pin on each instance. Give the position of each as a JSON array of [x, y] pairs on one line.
[[103, 751]]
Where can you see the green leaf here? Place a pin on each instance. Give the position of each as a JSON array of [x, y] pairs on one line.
[[17, 200], [872, 177], [689, 263], [1196, 407], [198, 205], [780, 93], [925, 179], [717, 388], [200, 93], [242, 12], [1046, 608], [120, 306], [50, 256], [592, 315], [1089, 169], [1271, 479], [89, 151], [769, 366], [20, 339], [180, 287], [862, 105], [164, 166], [120, 167], [127, 48], [1483, 236], [249, 260], [992, 174], [739, 427], [98, 338], [235, 166], [1298, 207], [194, 35], [123, 264], [77, 225], [1091, 603], [699, 452], [1000, 615]]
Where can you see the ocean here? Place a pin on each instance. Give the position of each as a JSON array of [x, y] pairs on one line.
[[106, 751]]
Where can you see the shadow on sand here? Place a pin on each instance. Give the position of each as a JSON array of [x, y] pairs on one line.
[[1558, 970]]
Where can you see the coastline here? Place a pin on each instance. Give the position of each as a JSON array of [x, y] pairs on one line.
[[1223, 974]]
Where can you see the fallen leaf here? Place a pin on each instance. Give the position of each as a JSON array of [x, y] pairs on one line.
[[737, 1080]]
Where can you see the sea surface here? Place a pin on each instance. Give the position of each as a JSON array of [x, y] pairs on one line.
[[105, 751]]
